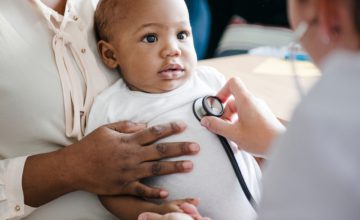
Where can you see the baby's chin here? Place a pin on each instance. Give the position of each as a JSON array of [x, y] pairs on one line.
[[163, 87], [167, 88]]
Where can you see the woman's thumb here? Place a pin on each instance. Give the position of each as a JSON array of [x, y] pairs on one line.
[[217, 125]]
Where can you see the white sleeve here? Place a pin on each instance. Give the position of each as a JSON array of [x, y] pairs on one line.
[[12, 204]]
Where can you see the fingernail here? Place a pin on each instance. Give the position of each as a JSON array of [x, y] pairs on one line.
[[180, 124], [187, 165], [164, 194], [205, 122], [142, 217], [194, 147]]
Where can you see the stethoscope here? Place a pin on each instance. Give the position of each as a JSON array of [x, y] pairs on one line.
[[212, 106]]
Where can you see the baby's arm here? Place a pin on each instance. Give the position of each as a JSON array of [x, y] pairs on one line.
[[129, 208]]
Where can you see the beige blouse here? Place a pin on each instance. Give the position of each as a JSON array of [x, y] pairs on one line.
[[49, 74]]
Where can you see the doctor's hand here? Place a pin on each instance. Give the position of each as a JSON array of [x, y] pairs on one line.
[[190, 213], [112, 159], [247, 120]]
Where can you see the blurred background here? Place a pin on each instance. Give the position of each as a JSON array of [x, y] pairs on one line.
[[229, 27]]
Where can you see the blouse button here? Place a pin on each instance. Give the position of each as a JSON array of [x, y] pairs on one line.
[[17, 208], [83, 50], [75, 18]]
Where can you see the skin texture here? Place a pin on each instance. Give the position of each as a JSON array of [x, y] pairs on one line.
[[124, 150], [148, 38], [331, 27]]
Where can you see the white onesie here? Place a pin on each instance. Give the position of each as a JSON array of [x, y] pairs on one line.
[[212, 179]]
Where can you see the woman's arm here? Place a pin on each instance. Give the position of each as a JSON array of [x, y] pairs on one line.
[[109, 161]]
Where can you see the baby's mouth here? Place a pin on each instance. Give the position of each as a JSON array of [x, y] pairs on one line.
[[171, 72]]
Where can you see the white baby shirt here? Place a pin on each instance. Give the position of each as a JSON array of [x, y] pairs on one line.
[[212, 179]]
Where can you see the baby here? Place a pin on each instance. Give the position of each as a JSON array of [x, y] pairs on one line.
[[150, 43]]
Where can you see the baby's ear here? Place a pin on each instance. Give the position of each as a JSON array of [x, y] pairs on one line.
[[107, 54]]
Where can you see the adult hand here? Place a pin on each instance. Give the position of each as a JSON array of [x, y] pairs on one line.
[[109, 161], [190, 213], [112, 159], [247, 121]]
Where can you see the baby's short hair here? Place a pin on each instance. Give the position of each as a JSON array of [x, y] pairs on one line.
[[107, 13]]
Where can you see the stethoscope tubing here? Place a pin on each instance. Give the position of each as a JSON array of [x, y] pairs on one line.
[[226, 145], [237, 170]]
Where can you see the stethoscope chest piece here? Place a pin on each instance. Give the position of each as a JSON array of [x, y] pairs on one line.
[[208, 106]]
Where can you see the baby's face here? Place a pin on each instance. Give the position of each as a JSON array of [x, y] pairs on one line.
[[154, 45]]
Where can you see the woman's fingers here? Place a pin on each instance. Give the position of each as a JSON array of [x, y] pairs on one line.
[[238, 89], [230, 110], [167, 150], [120, 158], [126, 127], [159, 168], [234, 86], [154, 133], [219, 126], [143, 191]]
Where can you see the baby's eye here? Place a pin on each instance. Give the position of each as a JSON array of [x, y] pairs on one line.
[[150, 38], [182, 35]]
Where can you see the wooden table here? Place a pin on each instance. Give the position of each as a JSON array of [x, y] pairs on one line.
[[278, 90]]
